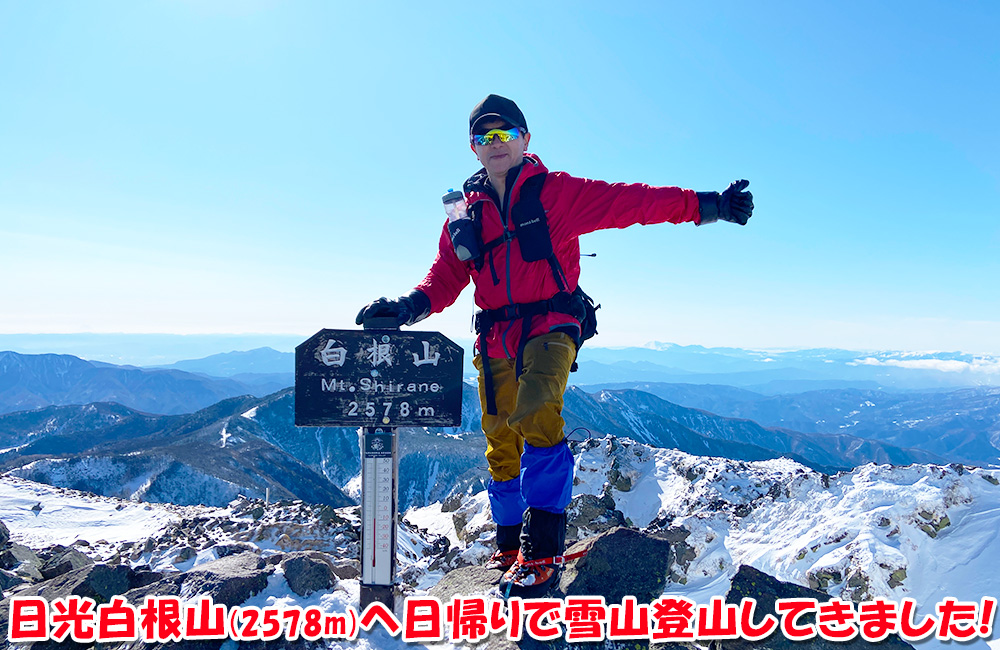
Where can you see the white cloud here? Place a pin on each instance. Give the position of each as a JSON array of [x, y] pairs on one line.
[[985, 365]]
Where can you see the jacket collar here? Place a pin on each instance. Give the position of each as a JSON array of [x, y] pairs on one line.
[[478, 186]]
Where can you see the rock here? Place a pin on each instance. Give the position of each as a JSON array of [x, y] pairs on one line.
[[347, 569], [9, 579], [97, 581], [447, 561], [229, 581], [464, 516], [466, 581], [452, 503], [184, 554], [15, 554], [22, 561], [589, 515], [308, 571], [328, 516], [823, 578], [627, 458], [476, 580], [142, 577], [751, 583], [225, 550], [64, 561], [934, 524], [857, 587], [4, 535], [621, 562]]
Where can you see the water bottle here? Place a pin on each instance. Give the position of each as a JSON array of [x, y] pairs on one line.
[[454, 205], [460, 226]]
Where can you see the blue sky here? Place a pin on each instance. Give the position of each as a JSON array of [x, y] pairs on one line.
[[269, 167]]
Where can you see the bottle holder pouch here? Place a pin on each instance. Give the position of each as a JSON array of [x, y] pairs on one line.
[[464, 238]]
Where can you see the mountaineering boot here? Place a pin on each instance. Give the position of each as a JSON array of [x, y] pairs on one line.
[[508, 543], [535, 572]]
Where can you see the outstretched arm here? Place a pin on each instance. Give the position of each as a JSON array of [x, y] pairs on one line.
[[596, 205]]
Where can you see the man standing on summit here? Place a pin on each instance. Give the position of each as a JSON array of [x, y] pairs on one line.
[[519, 244]]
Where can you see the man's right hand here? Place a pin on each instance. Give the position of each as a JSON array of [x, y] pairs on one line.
[[735, 204], [407, 310]]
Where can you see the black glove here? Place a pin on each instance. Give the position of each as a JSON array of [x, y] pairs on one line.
[[734, 205], [407, 310]]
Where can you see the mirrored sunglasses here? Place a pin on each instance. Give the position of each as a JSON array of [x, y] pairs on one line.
[[504, 135]]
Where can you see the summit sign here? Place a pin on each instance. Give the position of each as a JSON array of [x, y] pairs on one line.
[[378, 378]]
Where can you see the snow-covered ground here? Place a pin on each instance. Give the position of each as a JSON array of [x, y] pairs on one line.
[[923, 532], [40, 515]]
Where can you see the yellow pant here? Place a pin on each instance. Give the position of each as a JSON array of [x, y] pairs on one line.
[[529, 408]]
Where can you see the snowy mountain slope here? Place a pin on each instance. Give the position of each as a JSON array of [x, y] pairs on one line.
[[649, 419], [960, 425], [208, 457], [924, 531], [170, 540], [917, 531]]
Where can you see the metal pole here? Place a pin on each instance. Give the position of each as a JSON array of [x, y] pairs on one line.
[[379, 503]]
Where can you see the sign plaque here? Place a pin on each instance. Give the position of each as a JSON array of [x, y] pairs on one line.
[[378, 378]]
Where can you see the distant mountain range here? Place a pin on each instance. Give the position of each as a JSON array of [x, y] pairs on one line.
[[960, 425], [770, 372], [260, 361], [763, 371], [35, 381]]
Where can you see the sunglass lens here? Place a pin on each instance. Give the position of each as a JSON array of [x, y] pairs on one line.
[[502, 135]]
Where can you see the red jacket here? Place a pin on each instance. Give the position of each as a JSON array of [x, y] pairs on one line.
[[573, 206]]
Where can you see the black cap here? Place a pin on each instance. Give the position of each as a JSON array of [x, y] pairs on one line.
[[497, 107]]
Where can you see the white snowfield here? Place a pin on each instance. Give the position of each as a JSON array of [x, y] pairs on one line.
[[923, 532], [66, 516]]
